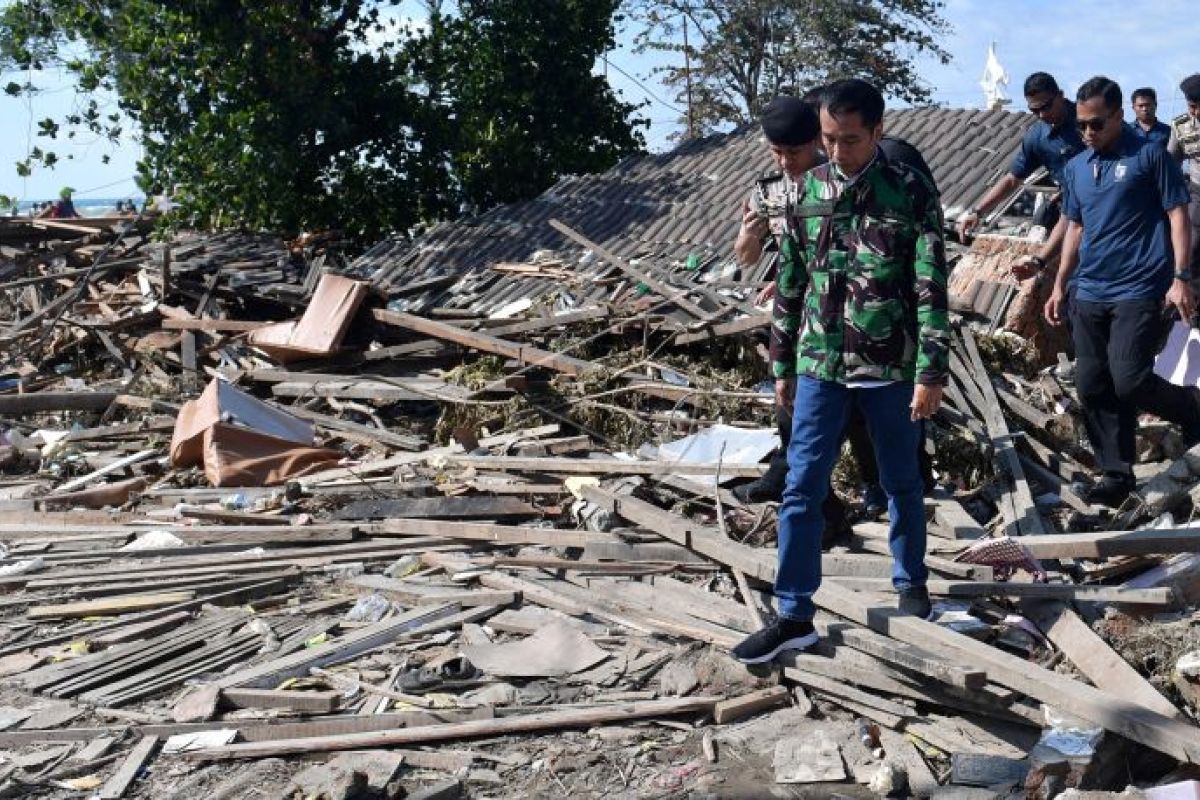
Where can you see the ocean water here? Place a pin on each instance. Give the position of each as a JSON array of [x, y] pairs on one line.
[[89, 207]]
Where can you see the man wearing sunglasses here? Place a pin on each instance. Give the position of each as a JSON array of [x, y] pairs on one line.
[[1051, 142], [1124, 257], [1184, 145]]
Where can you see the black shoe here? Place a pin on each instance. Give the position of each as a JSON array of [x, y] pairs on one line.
[[1191, 434], [837, 524], [915, 601], [1111, 490], [767, 489], [875, 501], [782, 634]]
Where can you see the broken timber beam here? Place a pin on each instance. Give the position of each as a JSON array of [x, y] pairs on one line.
[[506, 726], [705, 540], [1102, 544], [525, 354], [1158, 596], [37, 402], [603, 466]]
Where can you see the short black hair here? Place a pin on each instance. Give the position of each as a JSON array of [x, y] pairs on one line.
[[853, 96], [1103, 87], [1041, 83], [1145, 91], [1190, 86], [813, 96]]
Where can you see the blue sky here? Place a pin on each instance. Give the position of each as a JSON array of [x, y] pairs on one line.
[[1135, 44]]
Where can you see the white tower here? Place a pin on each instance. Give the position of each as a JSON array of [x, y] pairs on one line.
[[995, 77]]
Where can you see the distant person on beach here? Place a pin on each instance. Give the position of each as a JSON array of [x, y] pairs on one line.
[[62, 208]]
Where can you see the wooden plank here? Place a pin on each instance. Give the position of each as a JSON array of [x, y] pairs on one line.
[[108, 606], [37, 402], [258, 730], [390, 438], [604, 466], [949, 514], [750, 323], [523, 353], [1028, 520], [477, 507], [548, 323], [211, 325], [484, 532], [390, 464], [121, 431], [528, 723], [379, 391], [1159, 596], [308, 702], [1103, 544], [746, 705], [837, 689], [410, 593], [116, 786], [1102, 666], [755, 563], [905, 655]]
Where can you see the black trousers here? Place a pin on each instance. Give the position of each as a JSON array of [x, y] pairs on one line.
[[1115, 346], [1194, 215]]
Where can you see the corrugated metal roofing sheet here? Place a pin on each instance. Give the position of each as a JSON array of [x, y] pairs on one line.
[[664, 206]]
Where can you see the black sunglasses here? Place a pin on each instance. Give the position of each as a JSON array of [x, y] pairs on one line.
[[1042, 109], [1095, 125]]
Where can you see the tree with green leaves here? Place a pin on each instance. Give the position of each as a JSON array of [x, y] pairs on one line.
[[741, 53], [523, 104], [303, 114]]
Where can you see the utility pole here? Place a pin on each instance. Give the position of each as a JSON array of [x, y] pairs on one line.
[[687, 71]]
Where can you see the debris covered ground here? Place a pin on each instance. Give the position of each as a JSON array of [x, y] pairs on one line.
[[280, 524]]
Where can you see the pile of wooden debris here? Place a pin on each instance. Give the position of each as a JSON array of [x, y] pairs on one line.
[[235, 532]]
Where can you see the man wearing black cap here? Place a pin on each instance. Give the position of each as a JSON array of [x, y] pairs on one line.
[[1184, 144], [791, 128]]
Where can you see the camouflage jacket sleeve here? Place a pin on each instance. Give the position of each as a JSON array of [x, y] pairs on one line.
[[929, 264], [790, 282]]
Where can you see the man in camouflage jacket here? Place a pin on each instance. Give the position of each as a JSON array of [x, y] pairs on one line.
[[860, 318]]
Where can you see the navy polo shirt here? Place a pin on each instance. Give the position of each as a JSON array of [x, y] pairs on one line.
[[1159, 133], [1121, 199], [1049, 147]]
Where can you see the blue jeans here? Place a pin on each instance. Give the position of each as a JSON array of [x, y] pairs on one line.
[[819, 418]]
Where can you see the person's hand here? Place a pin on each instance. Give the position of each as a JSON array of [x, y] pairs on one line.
[[765, 295], [1180, 295], [754, 224], [785, 393], [1054, 307], [927, 398], [1027, 267], [967, 222]]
